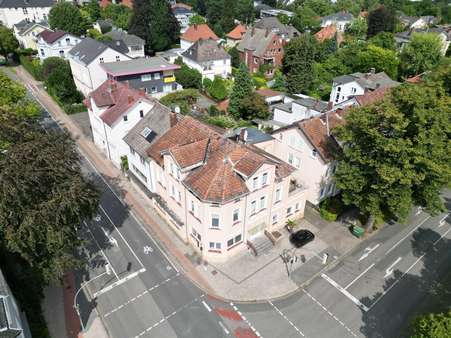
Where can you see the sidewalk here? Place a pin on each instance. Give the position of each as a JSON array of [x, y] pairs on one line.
[[239, 279]]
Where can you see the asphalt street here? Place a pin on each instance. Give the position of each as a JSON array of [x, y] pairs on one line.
[[372, 292]]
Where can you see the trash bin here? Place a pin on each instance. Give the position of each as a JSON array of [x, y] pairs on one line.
[[357, 231]]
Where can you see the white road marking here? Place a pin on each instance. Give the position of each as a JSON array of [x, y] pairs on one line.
[[246, 320], [355, 279], [286, 318], [224, 328], [410, 232], [148, 250], [368, 250], [441, 237], [442, 221], [206, 306], [118, 282], [139, 296], [162, 320], [389, 270], [330, 313], [344, 292]]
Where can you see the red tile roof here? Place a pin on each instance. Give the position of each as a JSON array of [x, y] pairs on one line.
[[181, 5], [372, 96], [118, 97], [196, 32], [219, 178], [326, 33], [50, 36], [237, 33]]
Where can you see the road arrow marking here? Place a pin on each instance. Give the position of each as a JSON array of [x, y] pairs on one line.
[[368, 250], [389, 270], [442, 221]]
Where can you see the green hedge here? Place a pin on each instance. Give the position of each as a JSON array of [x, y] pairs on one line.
[[225, 121], [33, 66], [331, 208], [74, 108]]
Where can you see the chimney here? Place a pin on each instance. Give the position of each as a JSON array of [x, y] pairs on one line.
[[130, 99], [243, 135], [172, 119]]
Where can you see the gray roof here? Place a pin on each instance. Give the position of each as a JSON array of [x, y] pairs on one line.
[[339, 16], [88, 49], [157, 120], [138, 66], [273, 24], [117, 45], [256, 39], [129, 39], [367, 80], [24, 25], [206, 50], [312, 103], [254, 135], [26, 3]]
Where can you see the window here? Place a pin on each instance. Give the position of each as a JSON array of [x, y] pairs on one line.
[[255, 183], [171, 166], [235, 240], [42, 52], [281, 136], [25, 11], [146, 77], [68, 41], [132, 151], [125, 118], [236, 215], [215, 221], [193, 207], [218, 246], [179, 196], [275, 218], [212, 245], [292, 141], [61, 53], [178, 173], [253, 207], [141, 113], [118, 58], [196, 235], [101, 60], [153, 89], [264, 179], [156, 76], [296, 206], [297, 162], [215, 246], [289, 211], [278, 196], [314, 153], [262, 202], [142, 159], [338, 89], [321, 193], [172, 191], [290, 158], [140, 174], [353, 90]]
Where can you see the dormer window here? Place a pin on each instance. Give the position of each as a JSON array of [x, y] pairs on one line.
[[118, 58], [314, 153], [125, 118], [101, 60]]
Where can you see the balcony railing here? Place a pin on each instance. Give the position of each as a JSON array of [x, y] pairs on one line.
[[169, 79], [295, 187]]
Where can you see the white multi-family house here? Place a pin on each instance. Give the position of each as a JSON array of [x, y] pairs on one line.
[[209, 58], [339, 20], [114, 109], [134, 44], [195, 33], [55, 43], [346, 86], [182, 13], [85, 62], [219, 194], [26, 32], [14, 11], [297, 108]]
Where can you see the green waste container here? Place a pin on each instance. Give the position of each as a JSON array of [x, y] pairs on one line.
[[357, 231]]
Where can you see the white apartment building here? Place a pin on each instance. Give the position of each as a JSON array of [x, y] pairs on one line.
[[58, 43], [26, 32], [14, 11], [297, 108]]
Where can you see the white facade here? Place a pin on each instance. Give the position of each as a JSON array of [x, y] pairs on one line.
[[222, 68], [59, 48], [108, 138], [291, 111], [89, 77], [28, 38], [185, 44], [11, 16], [343, 91]]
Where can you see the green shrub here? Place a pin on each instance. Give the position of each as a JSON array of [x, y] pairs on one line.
[[74, 108], [331, 208], [327, 215], [183, 99], [259, 82], [225, 121], [206, 83], [218, 89], [33, 66], [433, 325]]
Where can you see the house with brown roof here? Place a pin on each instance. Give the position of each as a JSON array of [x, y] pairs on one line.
[[195, 33], [235, 35], [261, 47], [218, 192], [55, 43], [114, 109], [326, 33]]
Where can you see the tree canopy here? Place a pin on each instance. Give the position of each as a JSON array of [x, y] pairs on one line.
[[67, 17], [242, 87], [8, 42], [382, 19], [118, 13], [433, 325], [188, 77]]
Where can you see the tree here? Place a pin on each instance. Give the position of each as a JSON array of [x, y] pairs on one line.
[[244, 11], [300, 54], [67, 17], [279, 82], [45, 197], [196, 19], [235, 57], [218, 89], [357, 28], [214, 12], [305, 20], [199, 7], [433, 325], [381, 19], [242, 88], [8, 42], [252, 107], [119, 14], [93, 10], [188, 77], [382, 60], [422, 53], [227, 16], [384, 40], [154, 22], [396, 153]]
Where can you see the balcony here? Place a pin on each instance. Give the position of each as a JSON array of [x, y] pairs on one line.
[[169, 79], [295, 187]]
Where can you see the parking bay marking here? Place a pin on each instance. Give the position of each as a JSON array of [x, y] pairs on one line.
[[389, 270], [368, 250], [360, 275], [344, 292]]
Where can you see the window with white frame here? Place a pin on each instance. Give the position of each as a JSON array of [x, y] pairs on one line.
[[215, 221], [156, 76], [215, 246], [314, 152], [264, 179], [101, 60], [262, 202], [118, 58], [278, 195], [253, 207], [297, 162], [236, 215], [179, 196], [146, 77], [290, 158], [172, 191], [235, 240], [296, 207], [275, 218], [193, 207], [196, 235], [255, 183], [289, 211], [132, 151], [142, 159], [125, 118]]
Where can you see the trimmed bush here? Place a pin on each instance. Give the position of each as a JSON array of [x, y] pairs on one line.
[[331, 208], [184, 99], [33, 66], [218, 89]]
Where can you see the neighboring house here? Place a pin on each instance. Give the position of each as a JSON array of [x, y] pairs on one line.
[[423, 22], [443, 33], [14, 11], [270, 96], [346, 86], [220, 194], [235, 36], [103, 26], [261, 47], [104, 3], [209, 58], [326, 33], [195, 33], [340, 20], [26, 32], [155, 75], [182, 13], [55, 43], [285, 32], [272, 12], [295, 109], [85, 59], [10, 318], [114, 109], [135, 45]]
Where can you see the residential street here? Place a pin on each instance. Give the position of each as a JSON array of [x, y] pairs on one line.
[[139, 290]]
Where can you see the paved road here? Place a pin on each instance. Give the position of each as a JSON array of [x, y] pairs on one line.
[[371, 293]]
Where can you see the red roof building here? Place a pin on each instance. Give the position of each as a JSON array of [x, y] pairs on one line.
[[195, 33]]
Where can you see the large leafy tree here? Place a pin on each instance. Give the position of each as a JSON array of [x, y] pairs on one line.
[[422, 53], [397, 153], [8, 42], [43, 196], [119, 14], [227, 16], [253, 107], [433, 325], [384, 40], [382, 19], [242, 87], [300, 55], [93, 10], [244, 11], [154, 22], [67, 17], [188, 77], [378, 58]]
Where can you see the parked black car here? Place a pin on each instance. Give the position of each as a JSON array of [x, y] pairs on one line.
[[301, 238]]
